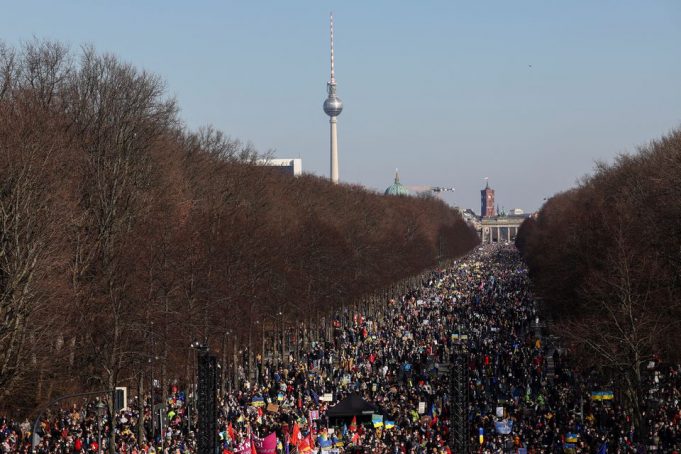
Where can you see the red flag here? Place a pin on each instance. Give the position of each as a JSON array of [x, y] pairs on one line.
[[230, 431], [304, 445], [295, 437], [353, 424]]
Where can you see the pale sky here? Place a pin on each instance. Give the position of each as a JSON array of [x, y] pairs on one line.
[[527, 93]]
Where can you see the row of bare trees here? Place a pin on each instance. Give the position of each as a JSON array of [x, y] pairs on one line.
[[124, 237], [606, 257]]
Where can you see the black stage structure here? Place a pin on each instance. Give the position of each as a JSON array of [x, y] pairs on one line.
[[207, 409], [460, 433]]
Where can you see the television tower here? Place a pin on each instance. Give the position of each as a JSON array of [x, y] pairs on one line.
[[333, 106]]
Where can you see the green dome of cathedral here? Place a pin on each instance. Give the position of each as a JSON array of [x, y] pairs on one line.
[[397, 188]]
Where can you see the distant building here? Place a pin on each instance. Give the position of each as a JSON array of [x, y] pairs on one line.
[[499, 226], [397, 188], [487, 202], [470, 217], [293, 167], [469, 214]]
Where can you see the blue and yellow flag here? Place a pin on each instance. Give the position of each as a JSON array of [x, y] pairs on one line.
[[389, 424], [377, 420], [602, 395]]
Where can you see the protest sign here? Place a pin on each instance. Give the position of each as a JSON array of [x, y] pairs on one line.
[[503, 427]]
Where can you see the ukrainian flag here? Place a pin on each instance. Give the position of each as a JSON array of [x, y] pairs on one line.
[[377, 420], [389, 424], [571, 437], [602, 395]]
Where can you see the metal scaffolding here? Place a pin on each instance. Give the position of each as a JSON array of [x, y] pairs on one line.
[[459, 431], [207, 403]]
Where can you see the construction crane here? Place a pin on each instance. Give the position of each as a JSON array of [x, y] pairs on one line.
[[421, 189]]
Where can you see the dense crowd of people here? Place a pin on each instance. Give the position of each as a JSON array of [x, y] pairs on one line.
[[525, 394]]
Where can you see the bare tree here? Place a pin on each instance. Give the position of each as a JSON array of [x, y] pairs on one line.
[[29, 240], [115, 219], [606, 258]]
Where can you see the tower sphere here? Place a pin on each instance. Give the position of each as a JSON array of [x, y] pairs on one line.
[[333, 106]]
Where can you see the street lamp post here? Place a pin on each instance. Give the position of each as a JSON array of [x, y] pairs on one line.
[[221, 389], [249, 369], [151, 392], [283, 338], [235, 362], [262, 355], [296, 339], [150, 359], [101, 411], [224, 357]]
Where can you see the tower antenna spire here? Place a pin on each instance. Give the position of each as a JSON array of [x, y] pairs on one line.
[[333, 76]]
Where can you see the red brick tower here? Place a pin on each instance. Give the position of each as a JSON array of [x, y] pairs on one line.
[[487, 202]]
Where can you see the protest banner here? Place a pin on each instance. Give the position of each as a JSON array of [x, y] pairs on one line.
[[267, 445], [244, 448]]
